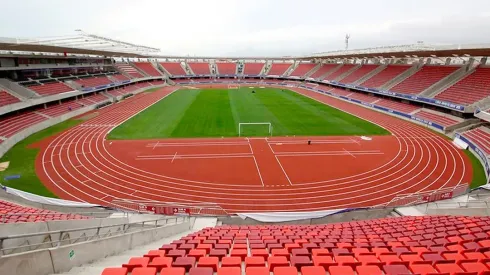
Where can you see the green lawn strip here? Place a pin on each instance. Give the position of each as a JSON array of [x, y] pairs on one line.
[[159, 120], [217, 112], [210, 115], [248, 108], [479, 177], [22, 161]]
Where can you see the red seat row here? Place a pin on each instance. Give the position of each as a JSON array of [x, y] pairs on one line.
[[253, 68], [439, 119], [387, 74], [14, 213], [303, 69], [199, 67], [359, 73], [173, 68], [423, 79], [279, 68], [480, 137], [404, 245], [7, 99], [470, 89], [324, 69], [93, 81], [340, 71], [50, 88], [226, 68], [147, 68]]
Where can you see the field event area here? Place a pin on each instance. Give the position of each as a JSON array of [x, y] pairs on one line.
[[218, 112]]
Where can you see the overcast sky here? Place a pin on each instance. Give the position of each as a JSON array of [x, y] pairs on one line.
[[253, 27]]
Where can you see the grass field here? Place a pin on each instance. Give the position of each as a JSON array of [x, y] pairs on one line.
[[217, 113], [22, 158]]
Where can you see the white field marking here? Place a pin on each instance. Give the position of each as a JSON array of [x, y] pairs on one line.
[[134, 192], [334, 154], [349, 153], [313, 141], [284, 171], [217, 143], [195, 155], [156, 144], [255, 160], [327, 152], [174, 158], [110, 143], [105, 197], [355, 141]]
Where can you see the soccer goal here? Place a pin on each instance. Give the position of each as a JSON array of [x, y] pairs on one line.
[[246, 129], [233, 86]]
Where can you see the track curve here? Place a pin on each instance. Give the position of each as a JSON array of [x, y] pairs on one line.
[[80, 164]]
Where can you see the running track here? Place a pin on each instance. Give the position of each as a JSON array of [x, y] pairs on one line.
[[249, 175]]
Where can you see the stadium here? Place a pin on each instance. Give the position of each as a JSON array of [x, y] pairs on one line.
[[117, 158]]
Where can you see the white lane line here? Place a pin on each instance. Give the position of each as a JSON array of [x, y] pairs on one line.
[[256, 164], [287, 177], [156, 144], [174, 158]]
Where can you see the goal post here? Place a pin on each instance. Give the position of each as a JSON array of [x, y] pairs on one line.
[[233, 86], [254, 128]]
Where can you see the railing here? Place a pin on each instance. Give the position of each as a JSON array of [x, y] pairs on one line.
[[171, 208], [5, 217], [427, 196], [51, 239]]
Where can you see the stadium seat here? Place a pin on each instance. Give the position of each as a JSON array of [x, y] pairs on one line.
[[257, 271], [173, 271], [368, 270], [160, 262], [186, 262], [229, 271], [312, 270], [340, 270], [423, 79], [115, 271], [231, 262], [136, 262], [201, 271], [144, 271], [285, 270]]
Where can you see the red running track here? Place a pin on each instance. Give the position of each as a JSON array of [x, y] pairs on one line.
[[249, 175]]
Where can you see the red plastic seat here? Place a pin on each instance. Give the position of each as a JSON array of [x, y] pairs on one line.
[[160, 262], [229, 271], [201, 271], [280, 252], [136, 262], [340, 270], [173, 271], [422, 269], [175, 253], [475, 267], [395, 269], [368, 270], [231, 262], [275, 261], [155, 253], [312, 270], [254, 261], [211, 262], [448, 267], [219, 253], [260, 253], [197, 253], [241, 253], [115, 271], [285, 270], [324, 261], [254, 270], [186, 262], [346, 260], [300, 261], [144, 271]]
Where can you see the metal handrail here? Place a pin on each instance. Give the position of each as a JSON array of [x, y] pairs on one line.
[[3, 216], [155, 223]]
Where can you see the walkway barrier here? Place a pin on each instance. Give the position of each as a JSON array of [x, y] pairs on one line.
[[170, 208], [427, 196], [24, 242]]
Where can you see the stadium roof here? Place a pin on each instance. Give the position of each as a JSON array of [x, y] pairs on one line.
[[81, 43], [414, 50]]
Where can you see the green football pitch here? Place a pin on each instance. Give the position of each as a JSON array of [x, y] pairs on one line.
[[218, 112]]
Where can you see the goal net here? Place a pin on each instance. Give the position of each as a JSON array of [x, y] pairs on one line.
[[248, 129], [233, 86]]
